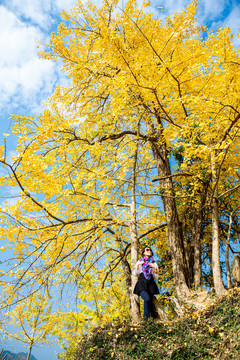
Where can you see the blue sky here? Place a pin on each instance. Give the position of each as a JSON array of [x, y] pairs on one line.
[[27, 81]]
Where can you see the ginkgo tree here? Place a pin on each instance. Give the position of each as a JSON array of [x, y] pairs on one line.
[[94, 173], [169, 87]]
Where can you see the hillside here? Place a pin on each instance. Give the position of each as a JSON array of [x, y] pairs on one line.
[[212, 333], [8, 355]]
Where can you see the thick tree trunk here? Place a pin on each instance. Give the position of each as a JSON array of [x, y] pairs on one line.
[[176, 306], [161, 315], [173, 223], [236, 270], [216, 268]]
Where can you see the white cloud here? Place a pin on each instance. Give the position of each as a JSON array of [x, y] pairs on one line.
[[38, 12], [22, 74], [24, 78], [31, 75], [18, 41]]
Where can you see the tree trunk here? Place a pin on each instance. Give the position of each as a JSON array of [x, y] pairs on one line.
[[161, 315], [127, 275], [30, 350], [227, 249], [134, 299], [216, 268], [174, 226], [184, 216], [176, 306], [196, 234], [229, 281]]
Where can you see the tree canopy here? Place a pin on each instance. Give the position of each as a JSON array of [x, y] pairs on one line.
[[141, 146]]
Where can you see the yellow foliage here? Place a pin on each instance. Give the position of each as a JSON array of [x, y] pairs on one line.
[[135, 83]]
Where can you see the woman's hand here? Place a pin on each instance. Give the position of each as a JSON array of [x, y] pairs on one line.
[[154, 266], [139, 263]]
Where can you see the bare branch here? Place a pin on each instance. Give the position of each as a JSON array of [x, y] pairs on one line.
[[229, 191], [152, 230], [171, 176]]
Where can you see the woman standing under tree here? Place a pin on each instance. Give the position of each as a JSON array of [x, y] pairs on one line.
[[146, 286]]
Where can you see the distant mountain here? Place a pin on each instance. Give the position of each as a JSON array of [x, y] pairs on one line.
[[8, 355]]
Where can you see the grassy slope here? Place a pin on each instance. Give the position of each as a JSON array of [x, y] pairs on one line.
[[213, 333]]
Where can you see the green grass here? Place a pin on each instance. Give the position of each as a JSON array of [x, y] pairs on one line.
[[210, 334]]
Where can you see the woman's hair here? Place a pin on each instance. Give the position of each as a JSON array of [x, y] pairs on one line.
[[142, 252]]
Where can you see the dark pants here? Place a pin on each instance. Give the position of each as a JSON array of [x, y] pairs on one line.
[[147, 303]]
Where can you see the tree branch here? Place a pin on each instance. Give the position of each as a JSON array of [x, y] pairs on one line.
[[152, 230]]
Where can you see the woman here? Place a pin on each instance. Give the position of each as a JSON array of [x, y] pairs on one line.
[[146, 286]]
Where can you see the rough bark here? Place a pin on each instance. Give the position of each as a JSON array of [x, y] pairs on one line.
[[216, 267], [161, 315], [176, 306], [236, 270], [172, 219]]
